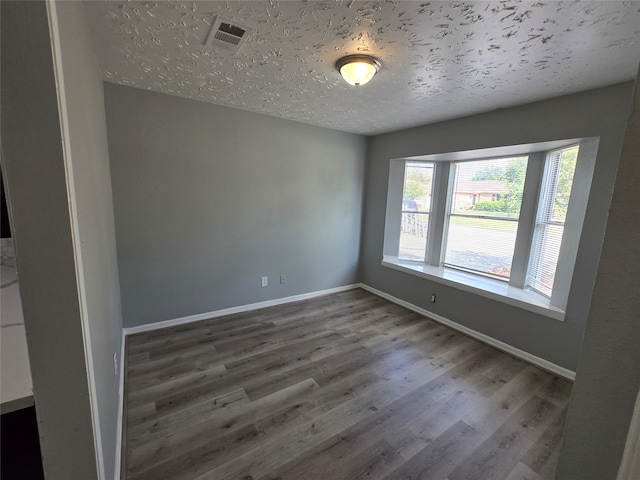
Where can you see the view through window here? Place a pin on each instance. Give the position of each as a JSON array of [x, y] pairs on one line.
[[552, 212], [416, 205], [483, 217]]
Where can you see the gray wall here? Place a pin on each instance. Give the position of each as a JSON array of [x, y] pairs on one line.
[[208, 199], [34, 174], [608, 376], [92, 188], [602, 113]]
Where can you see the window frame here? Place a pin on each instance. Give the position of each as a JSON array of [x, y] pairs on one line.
[[515, 291], [428, 213], [544, 211], [454, 165]]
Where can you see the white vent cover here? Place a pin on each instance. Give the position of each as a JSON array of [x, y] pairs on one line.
[[227, 35]]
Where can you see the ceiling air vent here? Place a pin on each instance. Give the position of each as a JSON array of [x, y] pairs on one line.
[[227, 35]]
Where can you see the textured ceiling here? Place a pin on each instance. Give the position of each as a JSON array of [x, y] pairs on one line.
[[441, 60]]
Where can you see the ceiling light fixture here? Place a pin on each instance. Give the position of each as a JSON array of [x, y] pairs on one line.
[[358, 69]]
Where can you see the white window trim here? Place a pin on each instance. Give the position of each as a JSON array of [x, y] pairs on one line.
[[511, 293]]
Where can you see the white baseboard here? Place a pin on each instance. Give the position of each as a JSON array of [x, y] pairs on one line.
[[505, 347], [239, 309], [120, 419]]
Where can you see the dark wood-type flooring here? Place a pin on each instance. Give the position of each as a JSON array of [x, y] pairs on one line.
[[345, 386]]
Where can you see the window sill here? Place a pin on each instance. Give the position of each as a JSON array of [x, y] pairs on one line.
[[485, 287]]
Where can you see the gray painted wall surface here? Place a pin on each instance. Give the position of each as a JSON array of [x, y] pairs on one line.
[[92, 182], [208, 199], [34, 173], [608, 375], [602, 112]]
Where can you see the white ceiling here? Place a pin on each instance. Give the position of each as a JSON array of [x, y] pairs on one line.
[[441, 60]]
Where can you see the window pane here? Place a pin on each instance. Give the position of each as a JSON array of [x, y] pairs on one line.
[[413, 236], [489, 187], [548, 238], [416, 204], [566, 169], [481, 245], [483, 221], [552, 211]]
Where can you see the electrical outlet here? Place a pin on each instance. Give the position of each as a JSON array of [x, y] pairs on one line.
[[115, 363], [265, 281], [433, 298], [282, 279]]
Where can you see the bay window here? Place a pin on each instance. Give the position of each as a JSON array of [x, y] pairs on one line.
[[502, 222]]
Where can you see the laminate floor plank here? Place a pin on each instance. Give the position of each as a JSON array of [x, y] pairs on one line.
[[175, 386], [171, 378], [341, 387], [247, 378], [487, 415], [557, 391], [380, 320], [441, 456], [193, 446], [453, 394], [268, 346], [280, 447], [373, 461], [298, 347], [331, 366], [542, 457], [281, 333], [215, 325], [173, 349], [150, 367], [155, 426], [178, 338], [498, 455], [382, 423], [505, 370], [176, 366], [140, 414], [522, 472], [353, 442]]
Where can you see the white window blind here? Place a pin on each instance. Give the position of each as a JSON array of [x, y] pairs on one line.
[[552, 210], [416, 206], [483, 217]]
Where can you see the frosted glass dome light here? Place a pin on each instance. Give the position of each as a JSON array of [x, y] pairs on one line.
[[358, 69]]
